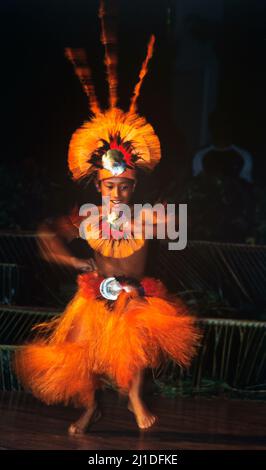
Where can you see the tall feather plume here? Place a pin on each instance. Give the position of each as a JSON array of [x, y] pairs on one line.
[[79, 61], [109, 40], [143, 72]]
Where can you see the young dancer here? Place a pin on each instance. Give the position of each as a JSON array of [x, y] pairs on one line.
[[119, 322]]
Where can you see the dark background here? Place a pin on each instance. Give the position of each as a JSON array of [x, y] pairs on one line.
[[43, 103]]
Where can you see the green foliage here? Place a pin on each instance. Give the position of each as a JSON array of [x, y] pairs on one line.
[[208, 388], [212, 301]]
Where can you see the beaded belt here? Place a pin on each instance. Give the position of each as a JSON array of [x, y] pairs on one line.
[[96, 286]]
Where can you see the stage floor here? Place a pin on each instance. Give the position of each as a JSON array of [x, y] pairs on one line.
[[184, 423]]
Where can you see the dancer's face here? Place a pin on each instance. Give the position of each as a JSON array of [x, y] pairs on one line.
[[119, 190]]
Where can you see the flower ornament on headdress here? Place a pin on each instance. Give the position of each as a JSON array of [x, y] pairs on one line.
[[113, 142]]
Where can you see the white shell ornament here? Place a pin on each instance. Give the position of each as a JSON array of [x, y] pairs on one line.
[[110, 288], [113, 161]]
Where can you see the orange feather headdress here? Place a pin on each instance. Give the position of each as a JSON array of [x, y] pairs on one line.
[[113, 142]]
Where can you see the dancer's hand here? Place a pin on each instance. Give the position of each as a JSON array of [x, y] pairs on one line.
[[83, 265]]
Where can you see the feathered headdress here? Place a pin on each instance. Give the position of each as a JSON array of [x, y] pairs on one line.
[[113, 142]]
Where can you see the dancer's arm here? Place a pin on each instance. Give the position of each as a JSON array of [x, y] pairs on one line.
[[51, 239]]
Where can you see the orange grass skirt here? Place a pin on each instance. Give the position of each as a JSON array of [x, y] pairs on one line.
[[93, 339]]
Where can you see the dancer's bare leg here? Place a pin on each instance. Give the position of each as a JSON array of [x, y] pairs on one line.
[[145, 419], [91, 415]]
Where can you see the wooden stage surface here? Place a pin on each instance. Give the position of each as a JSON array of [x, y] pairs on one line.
[[184, 423]]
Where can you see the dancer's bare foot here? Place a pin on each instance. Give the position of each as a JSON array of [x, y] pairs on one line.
[[92, 415], [145, 419]]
